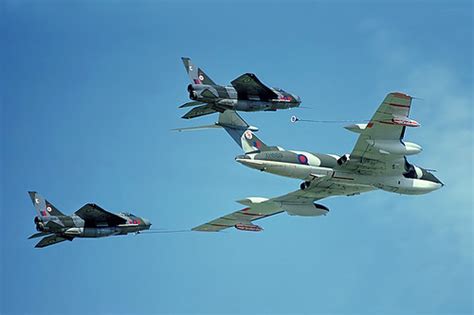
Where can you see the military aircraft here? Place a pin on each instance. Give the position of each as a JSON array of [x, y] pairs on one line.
[[378, 161], [89, 221], [247, 93]]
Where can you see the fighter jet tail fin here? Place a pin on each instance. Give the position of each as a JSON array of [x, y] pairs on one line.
[[196, 74], [43, 206]]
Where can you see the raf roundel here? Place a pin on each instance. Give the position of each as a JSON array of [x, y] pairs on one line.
[[248, 134], [48, 208], [302, 159], [201, 77]]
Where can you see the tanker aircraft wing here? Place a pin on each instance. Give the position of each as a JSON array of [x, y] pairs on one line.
[[299, 202], [387, 124], [380, 147]]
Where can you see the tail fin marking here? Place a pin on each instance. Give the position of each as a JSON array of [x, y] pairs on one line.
[[196, 74], [43, 206]]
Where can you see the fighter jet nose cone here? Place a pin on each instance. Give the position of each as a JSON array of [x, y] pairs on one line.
[[147, 223], [297, 99]]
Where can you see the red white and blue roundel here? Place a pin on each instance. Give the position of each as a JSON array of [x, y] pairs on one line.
[[302, 159]]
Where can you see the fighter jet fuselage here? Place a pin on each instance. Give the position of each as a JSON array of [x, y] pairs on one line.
[[74, 226], [246, 93], [227, 97], [87, 222]]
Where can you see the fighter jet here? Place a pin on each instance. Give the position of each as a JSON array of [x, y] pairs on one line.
[[378, 161], [246, 93], [89, 221]]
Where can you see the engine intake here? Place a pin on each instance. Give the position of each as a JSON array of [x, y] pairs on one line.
[[343, 159]]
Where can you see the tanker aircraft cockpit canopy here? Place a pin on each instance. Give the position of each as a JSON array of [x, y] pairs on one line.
[[413, 171]]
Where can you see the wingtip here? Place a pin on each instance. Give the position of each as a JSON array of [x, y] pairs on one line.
[[401, 95]]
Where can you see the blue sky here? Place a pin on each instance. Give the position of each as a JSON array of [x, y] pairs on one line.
[[90, 92]]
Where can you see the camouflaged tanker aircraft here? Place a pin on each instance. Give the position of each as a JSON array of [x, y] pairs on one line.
[[89, 221], [378, 161], [246, 93]]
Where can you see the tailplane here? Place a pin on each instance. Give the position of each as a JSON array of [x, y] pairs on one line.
[[242, 133], [51, 240], [196, 74], [200, 111]]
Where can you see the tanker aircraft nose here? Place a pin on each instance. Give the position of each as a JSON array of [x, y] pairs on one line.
[[428, 176], [297, 98]]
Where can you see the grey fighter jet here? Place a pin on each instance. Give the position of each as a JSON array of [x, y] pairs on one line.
[[89, 221], [246, 93], [378, 161]]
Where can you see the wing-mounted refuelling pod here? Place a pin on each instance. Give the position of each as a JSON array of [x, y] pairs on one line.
[[395, 147], [396, 120], [249, 227], [404, 121]]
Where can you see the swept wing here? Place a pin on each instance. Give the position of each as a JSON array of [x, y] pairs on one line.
[[295, 203], [94, 215], [380, 147], [248, 86]]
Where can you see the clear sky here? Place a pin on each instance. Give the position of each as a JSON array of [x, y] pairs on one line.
[[89, 93]]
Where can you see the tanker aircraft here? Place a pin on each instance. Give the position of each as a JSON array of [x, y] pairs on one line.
[[246, 93], [89, 221], [378, 161]]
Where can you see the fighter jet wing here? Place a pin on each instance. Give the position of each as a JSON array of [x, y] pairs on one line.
[[51, 240], [95, 215], [249, 86], [295, 203], [385, 129]]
